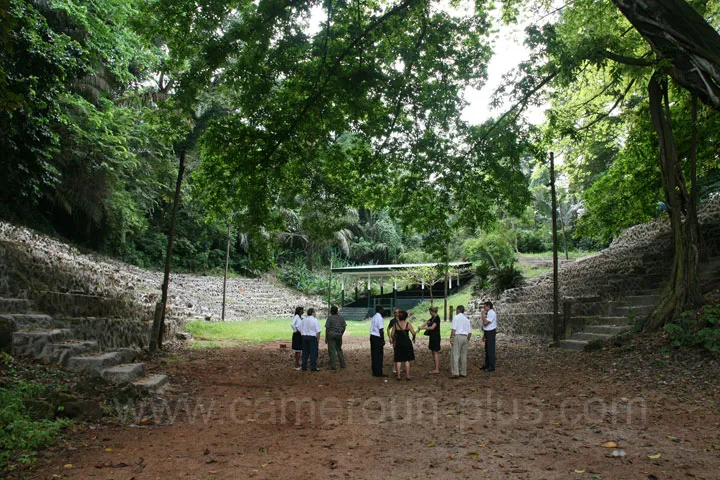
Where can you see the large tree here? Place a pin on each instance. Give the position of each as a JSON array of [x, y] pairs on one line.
[[662, 39], [689, 51]]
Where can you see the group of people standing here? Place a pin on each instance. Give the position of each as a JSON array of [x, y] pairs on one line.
[[306, 338], [401, 333], [400, 329]]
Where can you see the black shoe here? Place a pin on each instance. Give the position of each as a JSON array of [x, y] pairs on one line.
[[316, 370], [489, 369], [484, 367], [381, 375]]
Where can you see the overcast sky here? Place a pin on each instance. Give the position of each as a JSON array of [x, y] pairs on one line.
[[509, 51]]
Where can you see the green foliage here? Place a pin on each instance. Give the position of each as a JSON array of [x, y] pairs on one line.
[[504, 277], [420, 311], [24, 430], [492, 249], [65, 147], [297, 275], [532, 241], [697, 329], [415, 256]]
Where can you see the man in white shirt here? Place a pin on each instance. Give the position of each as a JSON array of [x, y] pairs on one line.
[[489, 321], [310, 331], [460, 334], [377, 342]]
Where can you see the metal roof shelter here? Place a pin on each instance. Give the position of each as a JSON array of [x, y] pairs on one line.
[[377, 271], [382, 273]]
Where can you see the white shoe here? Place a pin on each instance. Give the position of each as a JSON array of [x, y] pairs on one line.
[[297, 368]]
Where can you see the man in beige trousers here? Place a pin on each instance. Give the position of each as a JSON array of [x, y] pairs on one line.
[[460, 334]]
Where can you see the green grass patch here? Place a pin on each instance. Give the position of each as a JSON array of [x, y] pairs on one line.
[[420, 310], [561, 255], [207, 334], [529, 271], [207, 344]]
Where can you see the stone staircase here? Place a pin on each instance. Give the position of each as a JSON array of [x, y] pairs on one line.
[[617, 316], [616, 319], [43, 338], [354, 313]]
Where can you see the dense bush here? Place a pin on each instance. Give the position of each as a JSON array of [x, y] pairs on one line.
[[492, 249], [416, 256], [298, 276], [532, 242], [24, 430], [481, 272], [697, 329], [504, 277]]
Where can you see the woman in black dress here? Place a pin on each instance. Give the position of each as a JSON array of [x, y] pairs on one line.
[[404, 352], [432, 329]]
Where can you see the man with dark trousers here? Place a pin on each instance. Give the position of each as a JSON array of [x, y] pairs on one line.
[[377, 342], [489, 321]]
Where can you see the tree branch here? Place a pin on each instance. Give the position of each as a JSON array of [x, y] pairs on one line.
[[633, 61], [521, 104], [316, 95], [607, 114]]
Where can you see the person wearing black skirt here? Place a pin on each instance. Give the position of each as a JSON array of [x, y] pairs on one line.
[[297, 336], [432, 330], [404, 352]]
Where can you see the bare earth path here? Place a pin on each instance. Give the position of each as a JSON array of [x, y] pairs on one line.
[[244, 412]]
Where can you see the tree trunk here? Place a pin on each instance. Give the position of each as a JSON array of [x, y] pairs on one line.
[[679, 34], [683, 290], [158, 329]]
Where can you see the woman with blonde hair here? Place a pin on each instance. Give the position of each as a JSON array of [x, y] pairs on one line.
[[432, 330]]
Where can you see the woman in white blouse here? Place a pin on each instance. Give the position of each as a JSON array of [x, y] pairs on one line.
[[297, 336]]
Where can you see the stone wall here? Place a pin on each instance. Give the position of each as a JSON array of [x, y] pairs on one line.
[[116, 300], [639, 258]]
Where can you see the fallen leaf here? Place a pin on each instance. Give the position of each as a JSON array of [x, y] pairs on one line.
[[579, 471], [430, 445], [655, 456], [609, 445], [68, 465]]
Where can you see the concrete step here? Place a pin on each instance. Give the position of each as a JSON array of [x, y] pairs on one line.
[[60, 353], [618, 309], [573, 345], [30, 321], [123, 373], [15, 305], [638, 300], [604, 329], [601, 320], [650, 291], [354, 313], [94, 364], [152, 383], [589, 337], [31, 343]]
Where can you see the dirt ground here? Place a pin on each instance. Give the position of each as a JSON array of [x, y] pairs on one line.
[[544, 414]]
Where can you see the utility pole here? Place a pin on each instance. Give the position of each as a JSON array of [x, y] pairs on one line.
[[330, 286], [227, 264], [556, 296]]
